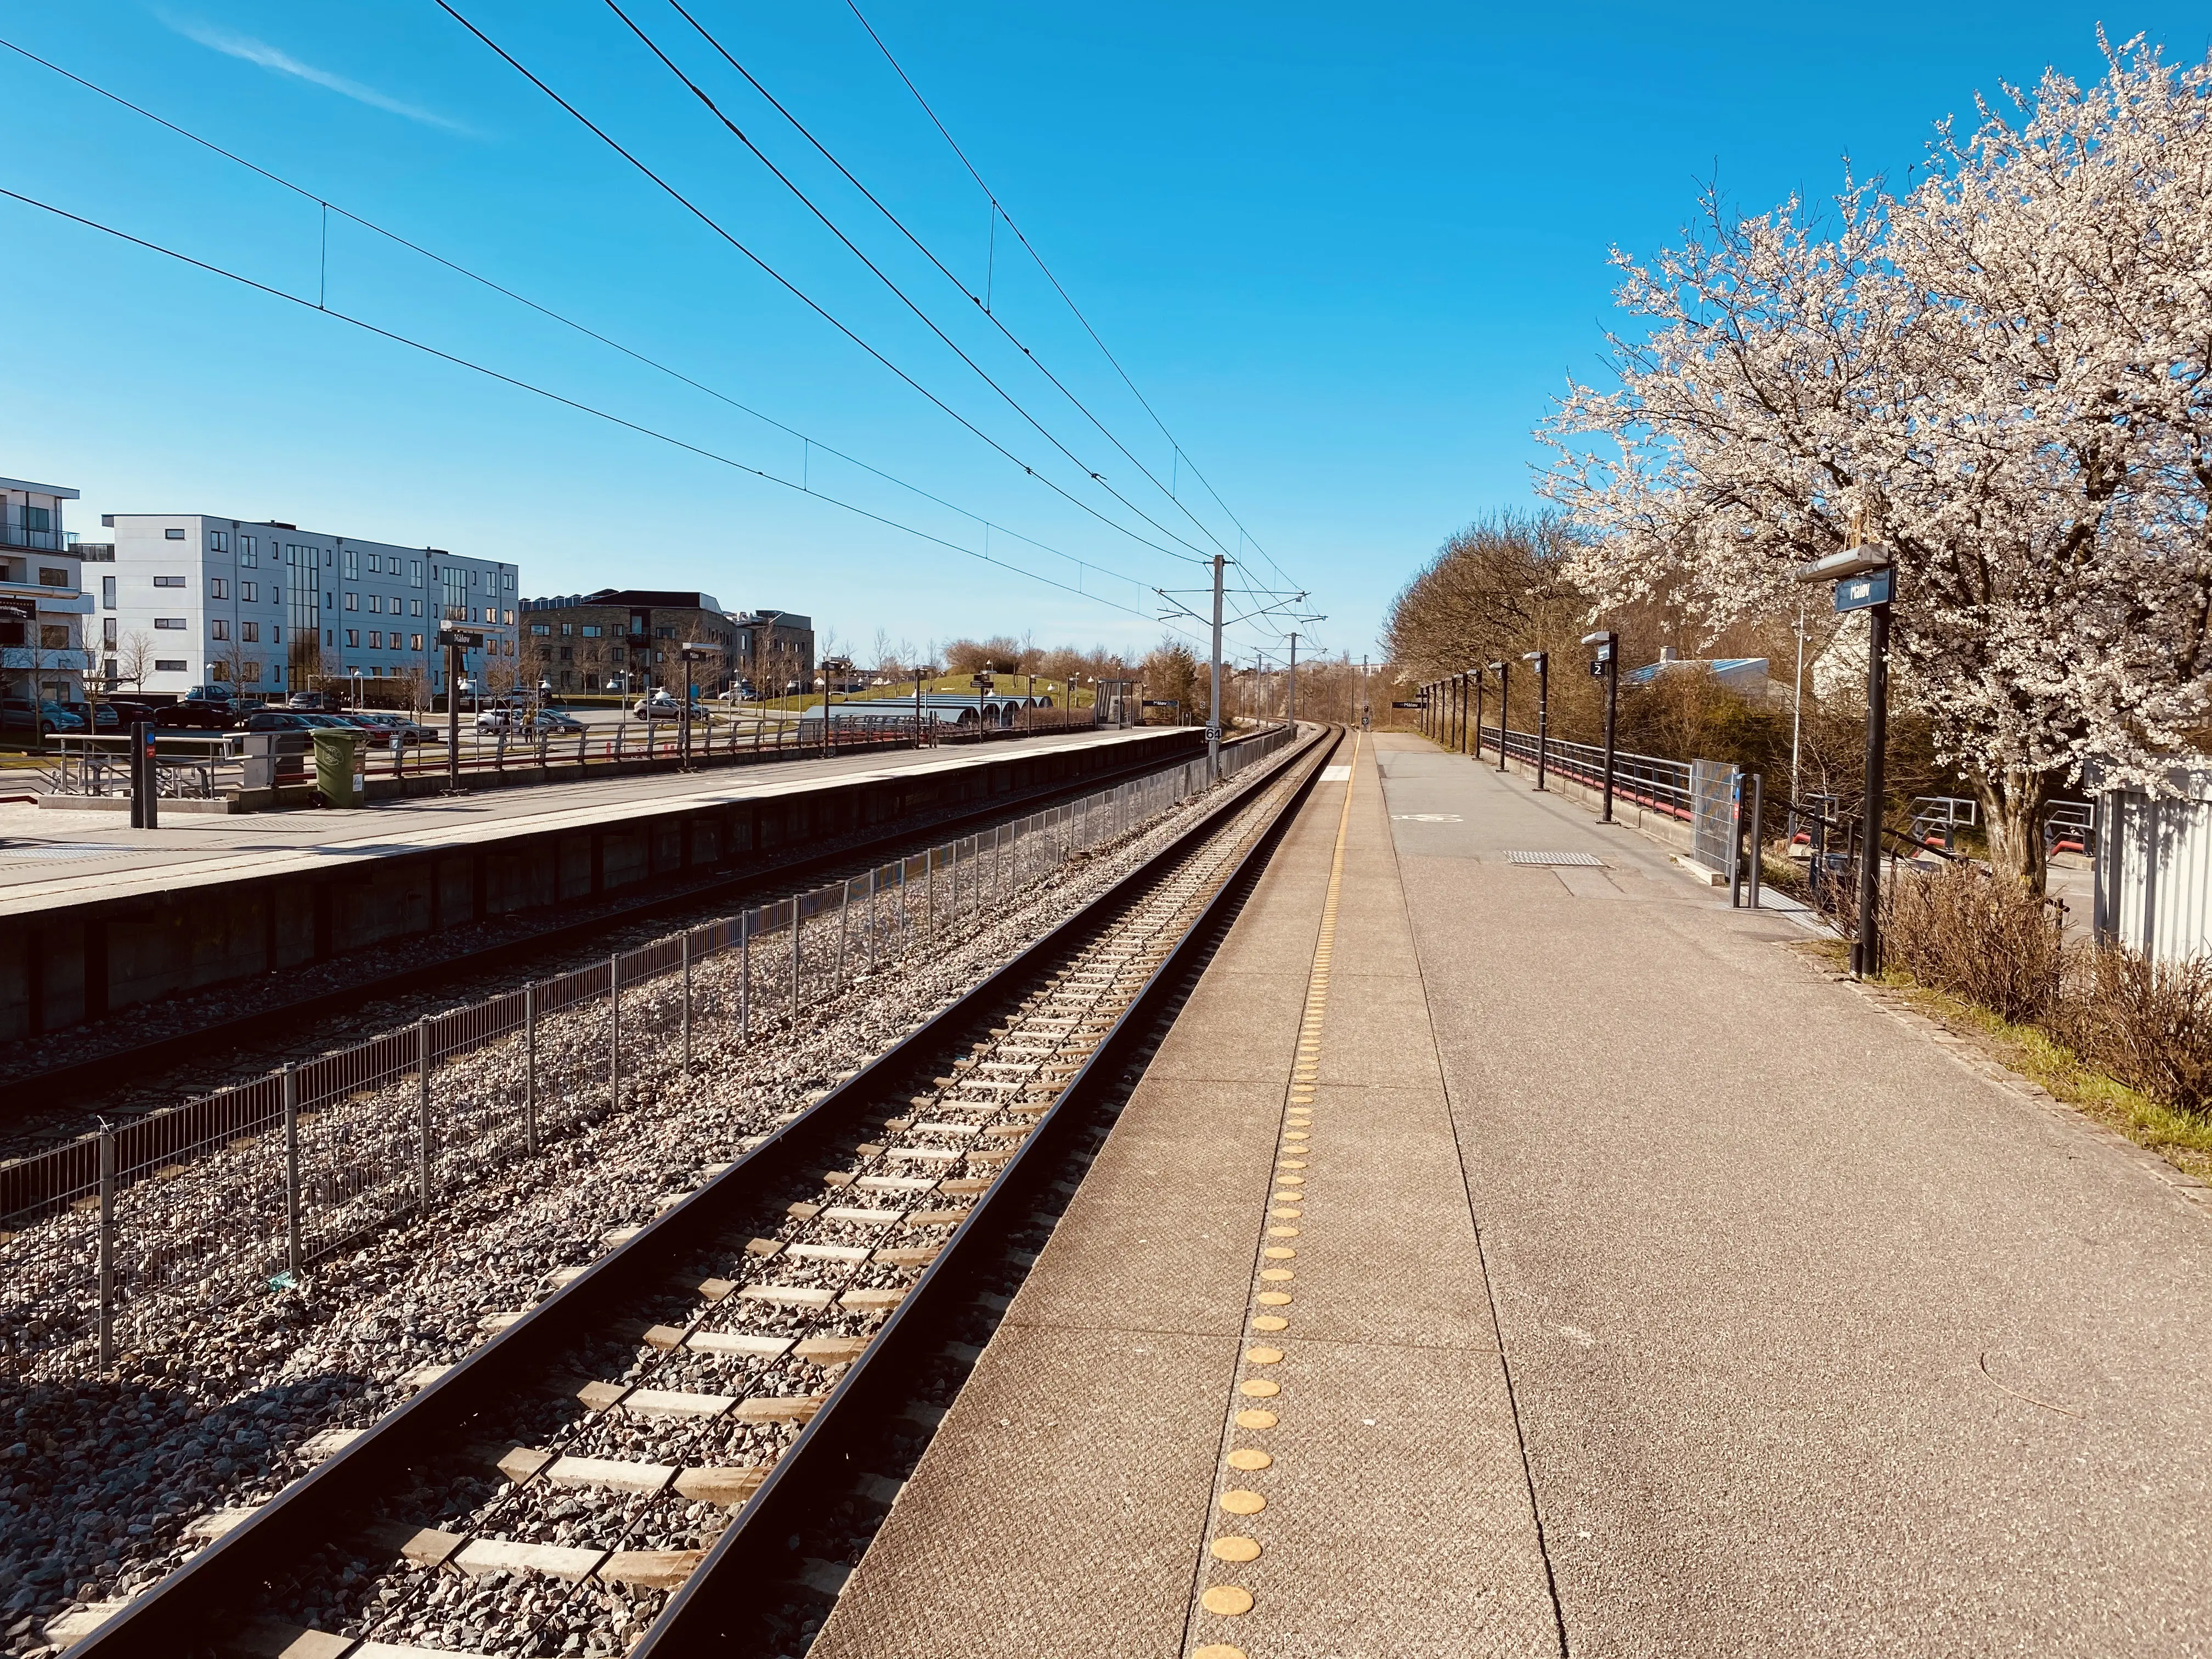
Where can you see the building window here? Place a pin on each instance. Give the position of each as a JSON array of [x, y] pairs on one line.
[[353, 601], [247, 558], [541, 629], [353, 564], [107, 592], [414, 641], [168, 665], [174, 535], [49, 576], [250, 632], [376, 602], [218, 671], [510, 619], [376, 641], [567, 653], [108, 632], [376, 564], [353, 639], [275, 674], [472, 579], [327, 636], [568, 628], [218, 588], [414, 607], [277, 635], [168, 622], [54, 636], [251, 671], [590, 631], [218, 541], [218, 630], [415, 575], [107, 671], [327, 558], [168, 581], [246, 591]]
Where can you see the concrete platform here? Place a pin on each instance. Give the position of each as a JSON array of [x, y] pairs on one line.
[[1654, 1294], [95, 917]]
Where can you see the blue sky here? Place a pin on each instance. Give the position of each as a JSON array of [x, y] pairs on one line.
[[1347, 254]]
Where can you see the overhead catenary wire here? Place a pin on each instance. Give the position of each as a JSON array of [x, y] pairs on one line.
[[328, 207], [1183, 454], [577, 405], [792, 288], [981, 301], [882, 275]]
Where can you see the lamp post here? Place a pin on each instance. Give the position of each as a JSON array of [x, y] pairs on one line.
[[1475, 675], [1543, 661], [1503, 672], [691, 651], [1607, 667], [355, 674], [1866, 580]]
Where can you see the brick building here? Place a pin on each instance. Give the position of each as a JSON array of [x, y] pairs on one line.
[[629, 641]]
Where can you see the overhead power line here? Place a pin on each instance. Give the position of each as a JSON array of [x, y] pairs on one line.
[[551, 396], [877, 271], [792, 288], [980, 301], [1000, 208], [547, 312]]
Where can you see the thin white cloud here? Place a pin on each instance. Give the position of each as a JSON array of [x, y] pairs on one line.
[[250, 51]]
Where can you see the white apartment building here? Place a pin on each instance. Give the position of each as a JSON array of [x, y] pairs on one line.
[[41, 655], [270, 609]]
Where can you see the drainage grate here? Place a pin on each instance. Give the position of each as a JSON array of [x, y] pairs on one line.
[[1589, 859]]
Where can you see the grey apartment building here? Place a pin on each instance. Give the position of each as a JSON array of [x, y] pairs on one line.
[[41, 572], [270, 609], [629, 640]]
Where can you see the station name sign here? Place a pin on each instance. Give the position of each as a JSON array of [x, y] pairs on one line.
[[1862, 593]]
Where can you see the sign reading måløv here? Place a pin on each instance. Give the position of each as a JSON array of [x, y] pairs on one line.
[[1860, 592]]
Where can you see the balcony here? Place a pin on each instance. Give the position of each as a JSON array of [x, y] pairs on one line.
[[43, 541]]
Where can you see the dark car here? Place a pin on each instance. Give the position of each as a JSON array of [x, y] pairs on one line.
[[555, 722], [205, 714], [208, 694], [313, 703], [276, 720], [41, 717], [100, 717], [387, 726], [129, 713]]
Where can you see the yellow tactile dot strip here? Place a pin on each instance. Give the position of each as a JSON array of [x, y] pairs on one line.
[[1229, 1600]]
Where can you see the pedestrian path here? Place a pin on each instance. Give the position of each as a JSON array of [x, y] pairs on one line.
[[1650, 1293]]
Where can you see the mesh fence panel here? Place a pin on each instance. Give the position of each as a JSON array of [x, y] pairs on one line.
[[218, 1198]]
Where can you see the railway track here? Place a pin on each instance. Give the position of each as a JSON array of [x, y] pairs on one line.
[[623, 1466]]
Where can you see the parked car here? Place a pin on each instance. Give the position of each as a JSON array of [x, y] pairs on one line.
[[208, 694], [97, 717], [386, 726], [276, 720], [501, 720], [556, 722], [40, 716], [664, 708], [129, 713], [313, 703], [206, 714]]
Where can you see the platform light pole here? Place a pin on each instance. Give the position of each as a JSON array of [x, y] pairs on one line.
[[1866, 580], [1475, 676], [1504, 706], [691, 651], [1607, 667], [1543, 661], [1213, 720]]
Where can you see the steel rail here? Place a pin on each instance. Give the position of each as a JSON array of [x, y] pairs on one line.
[[213, 1595], [60, 1086]]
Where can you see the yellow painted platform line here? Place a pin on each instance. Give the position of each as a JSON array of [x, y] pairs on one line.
[[1225, 1601]]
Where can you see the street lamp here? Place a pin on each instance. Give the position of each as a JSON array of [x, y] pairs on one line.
[[1607, 667], [1505, 705], [355, 673], [1543, 661], [691, 651], [1475, 675], [1866, 580]]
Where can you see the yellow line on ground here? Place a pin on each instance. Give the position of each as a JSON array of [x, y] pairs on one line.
[[1234, 1600]]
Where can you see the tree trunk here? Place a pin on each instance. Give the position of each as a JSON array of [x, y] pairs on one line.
[[2012, 808]]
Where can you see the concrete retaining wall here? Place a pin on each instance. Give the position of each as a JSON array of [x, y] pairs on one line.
[[84, 961]]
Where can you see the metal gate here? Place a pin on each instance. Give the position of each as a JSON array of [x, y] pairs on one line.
[[1713, 816]]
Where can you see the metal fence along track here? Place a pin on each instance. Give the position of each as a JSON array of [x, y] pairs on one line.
[[227, 1195]]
